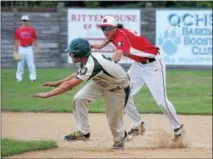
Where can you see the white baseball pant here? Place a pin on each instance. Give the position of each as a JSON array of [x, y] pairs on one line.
[[26, 56], [154, 76], [115, 102]]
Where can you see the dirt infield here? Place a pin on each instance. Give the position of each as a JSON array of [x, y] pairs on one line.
[[156, 143]]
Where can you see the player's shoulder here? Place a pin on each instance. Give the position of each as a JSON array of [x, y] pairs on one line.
[[90, 61], [122, 32], [31, 28], [98, 57]]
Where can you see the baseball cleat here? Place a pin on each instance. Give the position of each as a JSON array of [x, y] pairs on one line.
[[180, 134], [77, 136], [140, 130], [120, 144]]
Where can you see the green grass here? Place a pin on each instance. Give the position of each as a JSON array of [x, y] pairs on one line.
[[189, 90], [12, 146]]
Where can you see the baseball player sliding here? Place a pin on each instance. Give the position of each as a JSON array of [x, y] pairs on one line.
[[148, 69], [106, 79]]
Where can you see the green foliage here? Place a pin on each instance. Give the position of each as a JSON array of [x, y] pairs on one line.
[[190, 4], [189, 90], [114, 4], [129, 5], [203, 4], [43, 4], [12, 146], [92, 4]]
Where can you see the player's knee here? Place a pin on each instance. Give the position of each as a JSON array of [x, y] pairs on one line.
[[79, 99], [161, 104]]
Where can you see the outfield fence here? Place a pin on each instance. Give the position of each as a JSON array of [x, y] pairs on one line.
[[51, 25]]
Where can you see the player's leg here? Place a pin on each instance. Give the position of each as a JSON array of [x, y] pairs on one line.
[[137, 125], [115, 104], [156, 82], [81, 101], [20, 65], [131, 109], [136, 78], [31, 64]]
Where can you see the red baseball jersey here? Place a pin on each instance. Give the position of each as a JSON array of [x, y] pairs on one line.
[[127, 41], [26, 35]]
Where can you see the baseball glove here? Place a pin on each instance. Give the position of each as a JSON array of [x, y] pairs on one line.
[[16, 56]]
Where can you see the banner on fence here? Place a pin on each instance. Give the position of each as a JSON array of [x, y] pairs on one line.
[[83, 23], [185, 36]]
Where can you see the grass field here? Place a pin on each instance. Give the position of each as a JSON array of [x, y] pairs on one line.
[[189, 90], [12, 146]]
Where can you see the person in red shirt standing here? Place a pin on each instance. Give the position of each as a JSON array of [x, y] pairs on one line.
[[25, 37], [147, 68]]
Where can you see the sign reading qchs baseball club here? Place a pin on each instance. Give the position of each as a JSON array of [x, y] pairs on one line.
[[185, 36], [83, 23]]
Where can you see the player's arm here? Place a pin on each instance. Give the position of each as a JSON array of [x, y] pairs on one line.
[[57, 83], [100, 46], [117, 55], [122, 48], [16, 44], [35, 41], [64, 87]]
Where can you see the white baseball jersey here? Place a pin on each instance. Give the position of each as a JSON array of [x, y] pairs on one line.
[[105, 72]]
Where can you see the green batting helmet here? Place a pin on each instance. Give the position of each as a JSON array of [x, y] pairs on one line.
[[79, 47]]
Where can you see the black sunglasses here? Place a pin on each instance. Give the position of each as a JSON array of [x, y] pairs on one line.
[[107, 28]]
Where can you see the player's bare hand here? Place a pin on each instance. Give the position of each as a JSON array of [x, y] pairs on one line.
[[40, 95], [51, 84], [16, 56], [95, 46]]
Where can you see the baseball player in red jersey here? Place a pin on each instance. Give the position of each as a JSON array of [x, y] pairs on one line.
[[25, 37], [148, 69]]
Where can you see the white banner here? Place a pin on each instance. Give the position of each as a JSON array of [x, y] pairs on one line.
[[185, 36], [83, 23]]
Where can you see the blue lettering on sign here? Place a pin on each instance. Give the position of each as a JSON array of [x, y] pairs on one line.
[[168, 59], [187, 19], [190, 19], [197, 41], [183, 60], [196, 31], [202, 50], [174, 19]]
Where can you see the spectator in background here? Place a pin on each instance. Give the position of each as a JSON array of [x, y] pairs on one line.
[[25, 37]]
